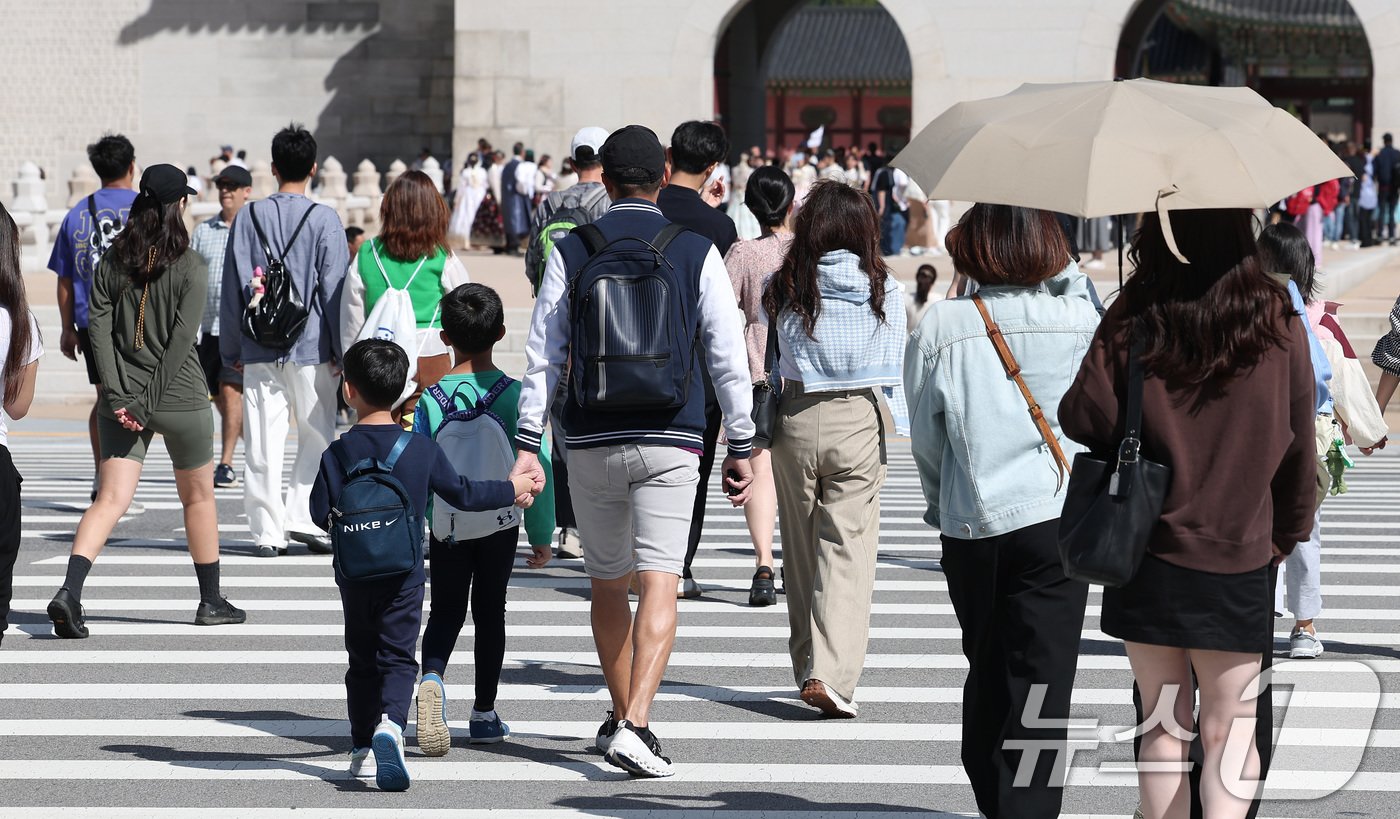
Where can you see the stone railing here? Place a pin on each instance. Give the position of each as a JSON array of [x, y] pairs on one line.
[[357, 206]]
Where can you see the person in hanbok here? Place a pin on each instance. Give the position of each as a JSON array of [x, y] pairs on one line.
[[470, 191]]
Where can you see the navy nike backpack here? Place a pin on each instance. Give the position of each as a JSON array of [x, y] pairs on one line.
[[375, 533]]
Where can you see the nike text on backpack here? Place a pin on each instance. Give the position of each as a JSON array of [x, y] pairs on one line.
[[560, 224], [477, 444], [635, 324], [374, 531], [276, 320], [393, 319]]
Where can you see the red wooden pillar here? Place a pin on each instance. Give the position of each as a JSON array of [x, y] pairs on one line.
[[858, 95], [780, 121]]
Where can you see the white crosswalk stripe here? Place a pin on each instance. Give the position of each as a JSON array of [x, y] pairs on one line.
[[235, 719]]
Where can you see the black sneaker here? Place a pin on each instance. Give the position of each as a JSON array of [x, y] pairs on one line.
[[606, 731], [317, 544], [762, 592], [638, 752], [225, 477], [67, 615], [222, 613]]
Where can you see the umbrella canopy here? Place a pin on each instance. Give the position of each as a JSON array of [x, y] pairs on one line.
[[1107, 148]]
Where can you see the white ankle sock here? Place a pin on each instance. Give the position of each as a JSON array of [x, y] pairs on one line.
[[487, 715]]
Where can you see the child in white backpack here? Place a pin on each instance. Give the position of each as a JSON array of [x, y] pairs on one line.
[[472, 414]]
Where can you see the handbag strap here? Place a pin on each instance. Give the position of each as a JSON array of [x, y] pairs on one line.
[[1013, 371], [1130, 449]]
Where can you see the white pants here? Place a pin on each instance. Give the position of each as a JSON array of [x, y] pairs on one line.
[[1302, 573], [272, 394]]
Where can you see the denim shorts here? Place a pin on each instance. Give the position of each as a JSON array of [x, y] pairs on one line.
[[633, 498]]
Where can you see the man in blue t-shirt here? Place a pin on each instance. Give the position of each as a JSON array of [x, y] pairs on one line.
[[86, 233]]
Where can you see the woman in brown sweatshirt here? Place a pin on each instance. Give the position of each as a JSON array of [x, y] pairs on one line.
[[1228, 404]]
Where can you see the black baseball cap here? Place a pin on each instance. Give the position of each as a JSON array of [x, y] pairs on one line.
[[235, 176], [165, 184], [633, 156]]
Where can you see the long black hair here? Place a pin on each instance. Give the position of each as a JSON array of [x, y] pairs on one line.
[[13, 299], [1284, 250], [1213, 318], [153, 239], [835, 216]]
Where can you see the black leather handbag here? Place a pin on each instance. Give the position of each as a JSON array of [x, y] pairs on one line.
[[1111, 507], [765, 393]]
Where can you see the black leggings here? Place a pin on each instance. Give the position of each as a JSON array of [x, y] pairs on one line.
[[481, 569], [9, 534]]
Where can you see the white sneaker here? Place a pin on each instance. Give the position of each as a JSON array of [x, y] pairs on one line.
[[1304, 646], [636, 751], [687, 588], [1094, 264], [391, 771], [569, 548], [362, 763]]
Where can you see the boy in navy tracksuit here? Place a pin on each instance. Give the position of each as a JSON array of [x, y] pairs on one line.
[[382, 616]]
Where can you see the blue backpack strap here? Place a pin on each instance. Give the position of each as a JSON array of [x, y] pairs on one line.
[[501, 385], [399, 446], [441, 398]]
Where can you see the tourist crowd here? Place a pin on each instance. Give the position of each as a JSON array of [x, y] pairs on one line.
[[687, 312]]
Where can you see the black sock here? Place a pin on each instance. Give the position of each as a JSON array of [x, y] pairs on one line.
[[78, 568], [208, 575]]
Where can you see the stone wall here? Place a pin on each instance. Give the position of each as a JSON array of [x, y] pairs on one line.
[[371, 78]]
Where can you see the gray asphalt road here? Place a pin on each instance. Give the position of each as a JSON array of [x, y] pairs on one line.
[[153, 717]]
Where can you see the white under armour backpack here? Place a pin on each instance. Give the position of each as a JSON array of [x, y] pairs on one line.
[[478, 446]]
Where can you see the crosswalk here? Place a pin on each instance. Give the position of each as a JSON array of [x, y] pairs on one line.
[[153, 716]]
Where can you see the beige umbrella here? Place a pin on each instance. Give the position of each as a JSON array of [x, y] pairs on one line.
[[1107, 148]]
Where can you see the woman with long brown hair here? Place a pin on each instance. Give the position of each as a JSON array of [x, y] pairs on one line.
[[147, 298], [20, 349], [994, 485], [1228, 402], [840, 339], [410, 253]]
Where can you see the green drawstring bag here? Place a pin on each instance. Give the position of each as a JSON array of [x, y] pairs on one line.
[[1338, 462]]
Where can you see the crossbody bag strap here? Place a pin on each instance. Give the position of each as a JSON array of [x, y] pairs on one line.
[[1013, 370]]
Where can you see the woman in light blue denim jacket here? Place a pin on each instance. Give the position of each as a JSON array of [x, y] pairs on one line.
[[840, 329], [994, 489]]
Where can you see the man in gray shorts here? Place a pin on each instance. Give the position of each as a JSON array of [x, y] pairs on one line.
[[634, 457]]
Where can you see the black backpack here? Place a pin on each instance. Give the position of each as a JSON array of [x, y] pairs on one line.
[[276, 318], [635, 321]]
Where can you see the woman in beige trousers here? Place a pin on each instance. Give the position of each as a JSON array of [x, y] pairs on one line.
[[840, 338]]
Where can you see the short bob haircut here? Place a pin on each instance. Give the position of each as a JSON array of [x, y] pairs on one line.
[[414, 218], [1004, 244]]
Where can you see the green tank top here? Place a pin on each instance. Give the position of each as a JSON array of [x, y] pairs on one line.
[[424, 286]]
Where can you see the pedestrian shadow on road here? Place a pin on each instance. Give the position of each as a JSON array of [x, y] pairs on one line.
[[745, 802]]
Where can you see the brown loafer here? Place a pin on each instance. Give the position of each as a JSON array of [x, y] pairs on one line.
[[820, 696]]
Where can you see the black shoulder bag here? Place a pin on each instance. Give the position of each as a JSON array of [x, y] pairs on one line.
[[765, 393], [1111, 508]]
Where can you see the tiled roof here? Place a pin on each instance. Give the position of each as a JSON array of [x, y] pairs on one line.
[[834, 45], [1328, 13]]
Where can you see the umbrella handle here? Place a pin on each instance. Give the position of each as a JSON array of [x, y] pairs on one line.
[[1165, 219]]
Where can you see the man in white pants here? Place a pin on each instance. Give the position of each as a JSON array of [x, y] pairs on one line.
[[298, 381]]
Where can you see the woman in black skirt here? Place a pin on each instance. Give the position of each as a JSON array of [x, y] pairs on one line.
[[1228, 404]]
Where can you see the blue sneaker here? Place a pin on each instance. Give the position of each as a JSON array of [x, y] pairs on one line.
[[487, 728], [434, 738], [391, 771]]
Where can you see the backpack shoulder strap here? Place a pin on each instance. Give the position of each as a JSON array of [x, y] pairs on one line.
[[502, 384], [435, 392], [305, 216], [593, 239], [667, 235], [594, 198], [262, 237], [399, 446]]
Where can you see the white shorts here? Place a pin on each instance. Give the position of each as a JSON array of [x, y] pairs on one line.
[[633, 498]]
